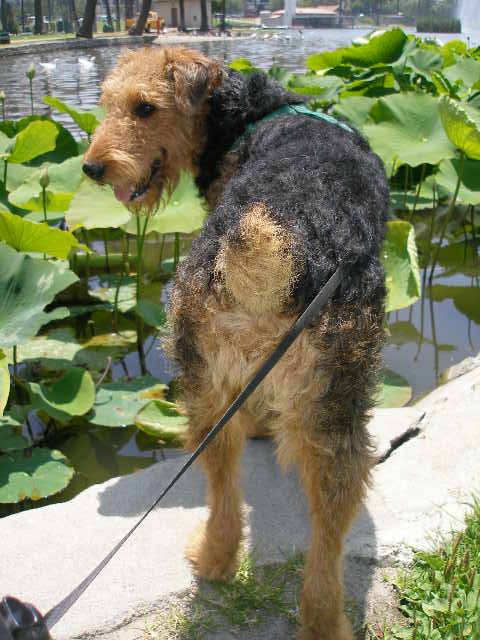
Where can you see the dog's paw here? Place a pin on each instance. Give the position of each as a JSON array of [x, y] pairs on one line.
[[213, 557]]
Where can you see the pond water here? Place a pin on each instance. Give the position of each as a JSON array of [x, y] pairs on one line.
[[441, 329]]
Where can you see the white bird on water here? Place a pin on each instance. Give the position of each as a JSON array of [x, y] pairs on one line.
[[86, 62], [49, 66]]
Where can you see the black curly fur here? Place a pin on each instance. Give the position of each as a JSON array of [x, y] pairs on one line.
[[320, 182]]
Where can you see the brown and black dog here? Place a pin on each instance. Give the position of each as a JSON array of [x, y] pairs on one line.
[[290, 197]]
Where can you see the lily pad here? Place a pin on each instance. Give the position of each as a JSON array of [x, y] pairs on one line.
[[118, 403], [4, 382], [162, 420], [355, 109], [36, 139], [462, 125], [87, 121], [184, 213], [11, 438], [33, 473], [465, 70], [33, 237], [64, 178], [447, 178], [72, 395], [393, 390], [400, 260], [27, 286], [152, 313], [60, 350], [322, 87], [408, 130], [95, 207]]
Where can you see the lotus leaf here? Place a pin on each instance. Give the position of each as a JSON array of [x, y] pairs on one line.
[[325, 60], [84, 119], [4, 381], [424, 61], [33, 473], [459, 257], [406, 202], [161, 419], [280, 74], [401, 265], [184, 213], [4, 142], [451, 50], [466, 71], [95, 207], [60, 350], [393, 390], [11, 438], [72, 395], [408, 130], [27, 286], [151, 312], [64, 179], [17, 175], [381, 49], [355, 109], [127, 294], [243, 65], [323, 87], [462, 124], [465, 299], [118, 403], [447, 178], [27, 236], [36, 139]]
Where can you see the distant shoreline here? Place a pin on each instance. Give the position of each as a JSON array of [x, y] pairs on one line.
[[111, 41]]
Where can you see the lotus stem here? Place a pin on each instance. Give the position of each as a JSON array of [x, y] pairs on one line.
[[140, 242], [449, 215], [105, 244], [5, 167], [176, 251], [417, 195], [474, 238], [2, 100]]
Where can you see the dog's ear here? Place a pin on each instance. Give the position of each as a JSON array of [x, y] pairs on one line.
[[194, 79]]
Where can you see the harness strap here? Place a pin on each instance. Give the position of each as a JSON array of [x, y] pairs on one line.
[[292, 110]]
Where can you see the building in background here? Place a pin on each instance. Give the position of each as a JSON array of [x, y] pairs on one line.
[[169, 10], [315, 17]]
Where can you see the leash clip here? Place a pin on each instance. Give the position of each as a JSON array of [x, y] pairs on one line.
[[21, 621]]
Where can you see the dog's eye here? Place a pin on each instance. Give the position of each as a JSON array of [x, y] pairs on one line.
[[144, 109]]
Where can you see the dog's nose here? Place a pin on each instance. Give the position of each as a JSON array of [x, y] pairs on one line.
[[94, 171]]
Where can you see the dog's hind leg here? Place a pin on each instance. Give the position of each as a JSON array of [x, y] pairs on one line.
[[322, 391]]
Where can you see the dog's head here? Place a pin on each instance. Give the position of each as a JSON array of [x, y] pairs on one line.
[[156, 101]]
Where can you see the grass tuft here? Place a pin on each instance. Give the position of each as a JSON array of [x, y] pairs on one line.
[[440, 594]]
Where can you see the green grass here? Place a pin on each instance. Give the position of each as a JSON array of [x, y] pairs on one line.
[[440, 594]]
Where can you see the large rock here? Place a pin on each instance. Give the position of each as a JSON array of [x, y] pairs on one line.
[[431, 464]]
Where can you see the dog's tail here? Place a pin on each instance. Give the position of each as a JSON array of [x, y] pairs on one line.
[[256, 262]]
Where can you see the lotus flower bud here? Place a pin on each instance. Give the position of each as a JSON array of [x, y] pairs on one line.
[[2, 96], [31, 72], [44, 180]]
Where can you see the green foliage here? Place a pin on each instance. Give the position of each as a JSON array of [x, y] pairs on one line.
[[440, 595], [416, 103], [27, 286], [33, 473], [401, 264]]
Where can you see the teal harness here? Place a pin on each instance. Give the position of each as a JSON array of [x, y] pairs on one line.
[[296, 109]]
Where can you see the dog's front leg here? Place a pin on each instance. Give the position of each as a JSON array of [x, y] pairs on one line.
[[213, 549]]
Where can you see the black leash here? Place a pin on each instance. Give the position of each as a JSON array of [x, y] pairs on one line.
[[320, 300]]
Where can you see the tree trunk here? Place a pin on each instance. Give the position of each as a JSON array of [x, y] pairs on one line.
[[182, 26], [73, 10], [204, 13], [38, 28], [86, 30], [139, 26], [22, 14], [128, 9], [109, 13], [118, 26], [4, 15]]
